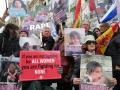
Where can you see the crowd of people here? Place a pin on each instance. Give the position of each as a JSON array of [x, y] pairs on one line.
[[70, 71], [9, 45]]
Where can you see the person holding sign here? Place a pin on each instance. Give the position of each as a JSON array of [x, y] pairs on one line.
[[95, 75], [94, 71], [47, 39]]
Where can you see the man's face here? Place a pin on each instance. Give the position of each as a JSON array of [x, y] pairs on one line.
[[86, 25], [96, 74], [46, 32]]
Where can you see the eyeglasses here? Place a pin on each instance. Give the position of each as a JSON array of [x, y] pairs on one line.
[[89, 42]]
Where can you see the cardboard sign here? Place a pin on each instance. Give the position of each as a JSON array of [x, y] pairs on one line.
[[96, 72], [39, 65], [73, 40], [17, 8], [59, 13]]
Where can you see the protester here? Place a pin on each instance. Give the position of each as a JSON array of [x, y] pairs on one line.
[[90, 45], [114, 51], [86, 26], [47, 39], [96, 32], [24, 33], [9, 41], [104, 27], [67, 64]]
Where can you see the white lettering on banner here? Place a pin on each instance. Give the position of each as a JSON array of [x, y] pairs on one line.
[[40, 71], [34, 61], [39, 26]]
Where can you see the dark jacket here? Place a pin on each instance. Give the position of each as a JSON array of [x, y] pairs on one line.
[[76, 72], [9, 46], [48, 43], [113, 50], [88, 33]]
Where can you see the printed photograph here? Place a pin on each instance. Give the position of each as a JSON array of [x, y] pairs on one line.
[[96, 70], [74, 39], [17, 8]]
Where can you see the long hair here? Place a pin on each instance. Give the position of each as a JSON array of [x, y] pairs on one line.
[[23, 5], [9, 27]]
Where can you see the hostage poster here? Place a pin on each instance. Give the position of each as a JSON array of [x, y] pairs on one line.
[[96, 72]]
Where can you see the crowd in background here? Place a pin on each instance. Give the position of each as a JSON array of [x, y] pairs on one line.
[[9, 46]]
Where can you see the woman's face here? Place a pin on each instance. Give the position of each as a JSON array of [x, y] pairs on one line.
[[97, 32], [18, 4], [96, 74], [75, 40], [23, 34]]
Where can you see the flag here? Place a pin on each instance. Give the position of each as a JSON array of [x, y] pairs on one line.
[[104, 39], [92, 5], [112, 12], [77, 14], [77, 9], [77, 23]]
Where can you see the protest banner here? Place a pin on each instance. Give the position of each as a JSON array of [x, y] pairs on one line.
[[74, 38], [39, 65], [9, 86], [96, 72], [59, 13], [30, 43], [17, 8], [9, 68]]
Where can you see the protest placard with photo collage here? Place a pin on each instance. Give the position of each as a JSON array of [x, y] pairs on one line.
[[96, 72]]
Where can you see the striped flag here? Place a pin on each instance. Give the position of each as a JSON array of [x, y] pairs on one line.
[[92, 5], [104, 39], [77, 14], [112, 12]]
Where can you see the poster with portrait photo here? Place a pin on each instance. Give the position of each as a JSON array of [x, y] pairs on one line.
[[9, 69], [17, 8], [73, 40], [59, 12], [29, 43], [96, 72]]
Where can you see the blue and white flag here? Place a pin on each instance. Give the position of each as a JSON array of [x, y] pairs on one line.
[[112, 12]]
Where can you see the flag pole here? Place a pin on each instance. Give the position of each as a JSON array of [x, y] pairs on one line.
[[96, 13]]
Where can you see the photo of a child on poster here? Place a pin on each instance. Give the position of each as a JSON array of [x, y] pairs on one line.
[[17, 8], [73, 41], [96, 72]]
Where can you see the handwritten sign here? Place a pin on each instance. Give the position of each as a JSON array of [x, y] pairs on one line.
[[39, 65]]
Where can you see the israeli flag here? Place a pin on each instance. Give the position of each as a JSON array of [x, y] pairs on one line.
[[112, 12]]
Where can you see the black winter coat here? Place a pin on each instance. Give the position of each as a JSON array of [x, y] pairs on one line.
[[9, 46], [113, 50]]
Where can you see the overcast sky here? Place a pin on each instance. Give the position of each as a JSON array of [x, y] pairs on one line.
[[2, 7]]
